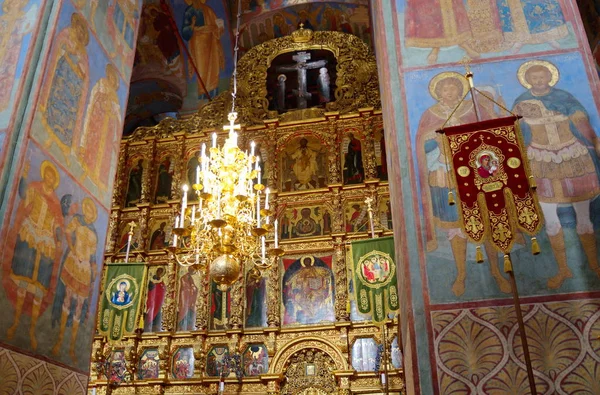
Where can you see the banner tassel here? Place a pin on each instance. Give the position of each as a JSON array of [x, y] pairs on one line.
[[478, 255], [532, 183], [507, 264], [451, 200], [535, 247]]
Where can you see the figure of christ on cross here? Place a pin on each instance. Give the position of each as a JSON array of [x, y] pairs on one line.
[[301, 67]]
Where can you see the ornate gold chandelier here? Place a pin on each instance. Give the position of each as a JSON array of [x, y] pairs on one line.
[[228, 225]]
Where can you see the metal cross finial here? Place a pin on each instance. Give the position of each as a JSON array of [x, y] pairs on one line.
[[232, 125], [132, 225], [466, 63]]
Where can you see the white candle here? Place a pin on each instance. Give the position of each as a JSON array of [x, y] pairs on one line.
[[203, 151], [267, 199], [252, 146], [183, 204], [214, 140], [198, 174], [175, 234], [276, 235], [263, 247], [193, 213], [258, 209], [259, 177]]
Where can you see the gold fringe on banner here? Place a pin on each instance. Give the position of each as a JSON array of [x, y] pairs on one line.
[[535, 247], [532, 183], [478, 255], [451, 200], [507, 264]]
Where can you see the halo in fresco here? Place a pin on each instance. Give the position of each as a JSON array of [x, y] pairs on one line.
[[442, 76], [543, 63]]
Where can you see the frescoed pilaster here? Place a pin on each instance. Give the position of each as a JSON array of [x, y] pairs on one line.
[[532, 58], [63, 97]]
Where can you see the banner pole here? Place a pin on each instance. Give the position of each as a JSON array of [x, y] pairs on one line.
[[517, 304]]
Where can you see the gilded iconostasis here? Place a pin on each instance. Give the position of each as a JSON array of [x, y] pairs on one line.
[[296, 326]]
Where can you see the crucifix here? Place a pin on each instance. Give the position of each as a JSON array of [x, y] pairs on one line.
[[301, 67]]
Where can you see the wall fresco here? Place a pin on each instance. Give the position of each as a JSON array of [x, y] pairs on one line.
[[115, 23], [204, 27], [443, 32], [53, 290], [80, 87], [531, 57], [18, 20], [570, 221], [561, 344], [262, 24]]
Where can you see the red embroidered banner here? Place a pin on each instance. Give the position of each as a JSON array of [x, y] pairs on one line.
[[492, 180]]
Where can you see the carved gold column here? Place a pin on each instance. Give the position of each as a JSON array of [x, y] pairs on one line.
[[334, 150], [143, 225], [341, 284], [337, 216], [113, 230], [180, 167], [369, 160], [236, 319], [169, 308], [147, 152], [273, 295], [199, 355], [120, 183], [202, 305]]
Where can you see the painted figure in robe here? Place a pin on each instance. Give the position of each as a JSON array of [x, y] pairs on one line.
[[164, 181], [220, 307], [447, 89], [203, 31], [64, 91], [256, 291], [353, 164], [256, 360], [148, 367], [431, 24], [308, 292], [306, 225], [73, 295], [562, 148], [15, 23], [305, 166], [99, 144], [158, 239], [155, 298], [34, 248], [134, 188], [188, 294], [532, 22]]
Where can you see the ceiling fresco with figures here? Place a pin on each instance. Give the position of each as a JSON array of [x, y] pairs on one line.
[[182, 40]]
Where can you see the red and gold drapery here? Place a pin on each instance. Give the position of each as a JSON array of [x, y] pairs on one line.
[[493, 182]]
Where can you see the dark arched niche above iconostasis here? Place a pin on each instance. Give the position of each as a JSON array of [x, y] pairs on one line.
[[301, 80], [158, 77]]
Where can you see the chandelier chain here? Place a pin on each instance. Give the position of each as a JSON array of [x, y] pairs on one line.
[[235, 55]]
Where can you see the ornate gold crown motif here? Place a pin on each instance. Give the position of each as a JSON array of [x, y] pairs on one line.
[[302, 35]]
